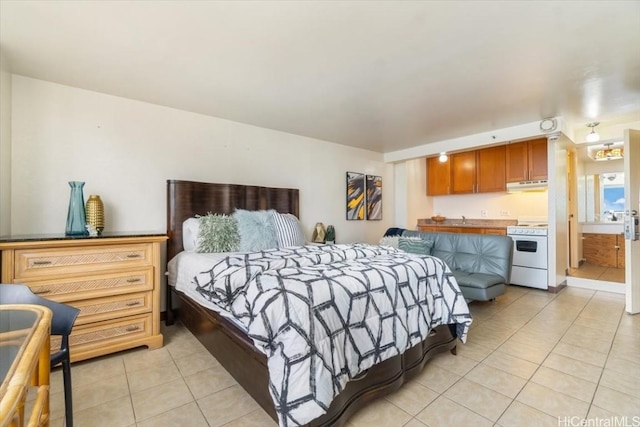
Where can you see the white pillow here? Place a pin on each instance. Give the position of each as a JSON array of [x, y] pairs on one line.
[[389, 241], [190, 231], [288, 230]]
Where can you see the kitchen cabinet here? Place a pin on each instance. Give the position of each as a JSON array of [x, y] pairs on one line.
[[469, 230], [605, 250], [463, 172], [526, 161], [495, 231], [491, 169], [488, 169], [438, 176], [476, 171]]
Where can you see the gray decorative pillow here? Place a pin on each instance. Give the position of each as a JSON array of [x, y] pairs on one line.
[[415, 245], [256, 230], [217, 233]]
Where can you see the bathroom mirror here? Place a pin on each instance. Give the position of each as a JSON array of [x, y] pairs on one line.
[[604, 197], [600, 188]]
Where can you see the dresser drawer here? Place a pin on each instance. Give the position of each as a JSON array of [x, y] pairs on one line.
[[101, 309], [68, 289], [113, 280], [30, 263], [85, 338]]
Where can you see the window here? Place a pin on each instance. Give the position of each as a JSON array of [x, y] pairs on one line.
[[612, 197]]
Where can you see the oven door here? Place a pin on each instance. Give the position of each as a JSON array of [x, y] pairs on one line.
[[530, 251]]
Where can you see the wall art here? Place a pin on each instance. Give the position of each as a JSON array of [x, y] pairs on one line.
[[374, 197], [355, 196]]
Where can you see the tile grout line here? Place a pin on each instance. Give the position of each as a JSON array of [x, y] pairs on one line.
[[492, 352]]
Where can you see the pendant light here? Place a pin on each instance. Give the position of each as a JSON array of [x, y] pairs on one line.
[[593, 136]]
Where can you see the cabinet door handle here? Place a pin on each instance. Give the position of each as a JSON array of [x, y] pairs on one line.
[[132, 303], [42, 292], [132, 328], [41, 262], [134, 256], [133, 280]]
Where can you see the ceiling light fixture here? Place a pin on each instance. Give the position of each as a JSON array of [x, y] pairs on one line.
[[443, 157], [593, 136], [609, 153]]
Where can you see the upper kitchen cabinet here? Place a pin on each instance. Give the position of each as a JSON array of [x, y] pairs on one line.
[[463, 172], [491, 169], [476, 171], [479, 171], [527, 160], [438, 176]]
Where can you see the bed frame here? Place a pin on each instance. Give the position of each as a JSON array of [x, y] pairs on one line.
[[233, 348]]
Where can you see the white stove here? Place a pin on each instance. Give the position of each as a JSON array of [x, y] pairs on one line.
[[530, 263], [528, 229]]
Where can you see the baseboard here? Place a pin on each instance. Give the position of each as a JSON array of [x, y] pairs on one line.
[[560, 286], [596, 285]]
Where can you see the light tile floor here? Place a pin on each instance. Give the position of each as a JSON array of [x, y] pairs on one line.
[[596, 272], [532, 359]]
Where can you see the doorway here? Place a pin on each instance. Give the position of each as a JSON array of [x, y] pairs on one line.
[[595, 220]]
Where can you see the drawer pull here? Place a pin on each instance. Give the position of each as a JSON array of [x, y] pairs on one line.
[[134, 256], [132, 303], [133, 280], [41, 262], [132, 328], [42, 292]]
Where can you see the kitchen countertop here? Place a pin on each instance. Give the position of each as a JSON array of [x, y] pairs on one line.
[[602, 227], [469, 222]]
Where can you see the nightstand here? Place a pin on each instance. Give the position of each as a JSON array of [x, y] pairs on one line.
[[114, 280]]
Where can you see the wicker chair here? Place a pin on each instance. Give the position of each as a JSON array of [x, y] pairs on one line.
[[64, 316]]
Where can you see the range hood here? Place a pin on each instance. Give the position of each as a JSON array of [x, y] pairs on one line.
[[516, 187]]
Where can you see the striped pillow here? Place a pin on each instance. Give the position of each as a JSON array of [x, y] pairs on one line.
[[415, 245], [288, 231]]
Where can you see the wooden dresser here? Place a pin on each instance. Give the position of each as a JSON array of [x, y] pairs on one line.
[[113, 279]]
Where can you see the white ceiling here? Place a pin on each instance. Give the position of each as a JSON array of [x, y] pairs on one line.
[[373, 74]]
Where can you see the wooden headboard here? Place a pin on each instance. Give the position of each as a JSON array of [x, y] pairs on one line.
[[186, 199]]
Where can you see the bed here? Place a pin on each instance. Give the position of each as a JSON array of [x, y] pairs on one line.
[[229, 343]]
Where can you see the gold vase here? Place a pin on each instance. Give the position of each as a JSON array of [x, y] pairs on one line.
[[95, 213], [319, 233]]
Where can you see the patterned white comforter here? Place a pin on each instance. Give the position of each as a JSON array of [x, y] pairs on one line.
[[324, 314]]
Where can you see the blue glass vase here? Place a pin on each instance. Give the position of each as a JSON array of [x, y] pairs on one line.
[[76, 220]]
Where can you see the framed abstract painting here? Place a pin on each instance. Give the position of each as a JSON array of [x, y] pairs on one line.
[[355, 196], [374, 197]]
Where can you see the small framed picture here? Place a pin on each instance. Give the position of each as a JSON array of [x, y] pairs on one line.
[[355, 196], [374, 197]]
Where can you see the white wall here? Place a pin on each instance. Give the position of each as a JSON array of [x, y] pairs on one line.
[[417, 202], [5, 146], [558, 211], [125, 151], [498, 205]]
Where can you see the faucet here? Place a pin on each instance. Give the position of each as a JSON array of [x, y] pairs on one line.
[[464, 220]]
